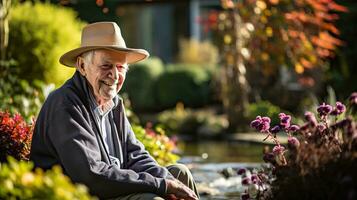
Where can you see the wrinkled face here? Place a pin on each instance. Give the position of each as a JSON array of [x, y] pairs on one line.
[[105, 73]]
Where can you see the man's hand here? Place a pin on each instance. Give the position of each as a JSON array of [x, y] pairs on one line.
[[177, 190]]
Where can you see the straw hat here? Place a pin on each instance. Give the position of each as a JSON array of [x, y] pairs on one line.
[[103, 35]]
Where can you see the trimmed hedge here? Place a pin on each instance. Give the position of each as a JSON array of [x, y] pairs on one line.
[[140, 83], [186, 83]]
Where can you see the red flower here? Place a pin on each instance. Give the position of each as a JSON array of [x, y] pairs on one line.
[[15, 137]]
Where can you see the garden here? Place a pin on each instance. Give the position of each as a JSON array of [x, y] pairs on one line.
[[257, 97]]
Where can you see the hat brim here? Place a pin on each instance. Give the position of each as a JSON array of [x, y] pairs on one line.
[[69, 59]]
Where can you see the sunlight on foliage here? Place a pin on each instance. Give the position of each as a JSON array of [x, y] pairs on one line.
[[18, 181], [39, 34], [157, 144]]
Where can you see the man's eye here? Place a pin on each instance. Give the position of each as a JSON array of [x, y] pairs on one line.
[[122, 67], [106, 66]]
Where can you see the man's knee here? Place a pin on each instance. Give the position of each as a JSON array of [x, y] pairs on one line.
[[140, 196], [179, 170]]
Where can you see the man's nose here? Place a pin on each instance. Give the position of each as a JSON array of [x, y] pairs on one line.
[[114, 73]]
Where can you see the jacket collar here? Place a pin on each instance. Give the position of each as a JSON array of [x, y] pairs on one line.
[[83, 89]]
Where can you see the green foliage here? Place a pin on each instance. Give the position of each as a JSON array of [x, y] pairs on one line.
[[140, 82], [17, 181], [157, 144], [18, 95], [205, 54], [184, 83], [187, 121], [264, 108], [39, 34]]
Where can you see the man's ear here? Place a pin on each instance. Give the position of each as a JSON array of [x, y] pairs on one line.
[[80, 65]]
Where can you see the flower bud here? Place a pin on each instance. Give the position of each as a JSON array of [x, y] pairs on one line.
[[241, 171], [340, 107], [263, 127], [293, 143], [324, 109], [278, 149], [353, 98], [321, 128], [310, 117], [285, 121], [275, 129], [294, 128], [255, 123], [269, 158], [246, 181]]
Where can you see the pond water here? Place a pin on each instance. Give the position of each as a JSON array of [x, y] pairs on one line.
[[221, 152], [214, 165]]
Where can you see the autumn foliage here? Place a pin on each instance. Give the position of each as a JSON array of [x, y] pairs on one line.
[[294, 33], [15, 137]]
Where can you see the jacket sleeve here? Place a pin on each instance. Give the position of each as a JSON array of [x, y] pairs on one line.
[[139, 159], [77, 149]]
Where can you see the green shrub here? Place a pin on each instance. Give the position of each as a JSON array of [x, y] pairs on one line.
[[264, 108], [17, 181], [157, 144], [39, 34], [204, 53], [18, 95], [140, 82], [183, 83], [189, 122]]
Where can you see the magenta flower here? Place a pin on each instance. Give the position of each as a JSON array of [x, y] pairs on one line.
[[278, 149], [275, 129], [321, 127], [246, 181], [294, 128], [284, 120], [311, 119], [269, 158], [339, 109], [255, 123], [264, 127], [262, 124], [324, 109], [353, 98], [293, 143], [241, 171], [255, 179]]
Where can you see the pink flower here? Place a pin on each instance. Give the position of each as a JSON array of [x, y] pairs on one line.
[[310, 118], [321, 127], [278, 149], [339, 109], [353, 98], [269, 158], [246, 181], [294, 128], [284, 120], [275, 129], [293, 143], [262, 124], [241, 171], [324, 109]]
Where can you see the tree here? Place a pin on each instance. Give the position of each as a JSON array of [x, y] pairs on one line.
[[266, 35], [4, 27]]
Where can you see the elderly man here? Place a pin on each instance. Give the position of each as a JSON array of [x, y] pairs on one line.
[[83, 128]]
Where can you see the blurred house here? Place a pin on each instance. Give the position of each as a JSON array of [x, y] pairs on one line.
[[155, 25]]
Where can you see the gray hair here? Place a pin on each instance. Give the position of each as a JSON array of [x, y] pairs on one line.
[[88, 56]]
